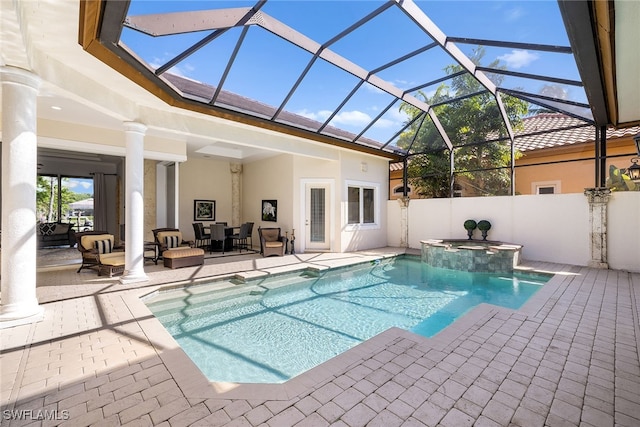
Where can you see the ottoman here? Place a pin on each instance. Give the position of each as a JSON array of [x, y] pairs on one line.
[[183, 257], [111, 264]]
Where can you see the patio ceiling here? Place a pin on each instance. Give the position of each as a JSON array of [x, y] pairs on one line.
[[338, 71]]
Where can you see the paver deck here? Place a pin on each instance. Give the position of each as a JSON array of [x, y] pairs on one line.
[[569, 357]]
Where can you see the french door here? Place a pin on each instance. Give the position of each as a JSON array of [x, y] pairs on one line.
[[317, 216]]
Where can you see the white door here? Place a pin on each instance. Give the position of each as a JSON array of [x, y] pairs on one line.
[[317, 224]]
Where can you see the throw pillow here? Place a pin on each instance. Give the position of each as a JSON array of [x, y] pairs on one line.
[[171, 241], [46, 228], [103, 246]]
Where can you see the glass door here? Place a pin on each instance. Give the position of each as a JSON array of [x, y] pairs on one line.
[[317, 217]]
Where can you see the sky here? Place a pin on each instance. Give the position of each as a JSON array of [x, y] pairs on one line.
[[267, 67], [79, 185]]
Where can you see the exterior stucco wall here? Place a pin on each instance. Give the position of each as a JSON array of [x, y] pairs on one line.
[[150, 203], [623, 228], [367, 171], [552, 228], [310, 170], [268, 179], [203, 179]]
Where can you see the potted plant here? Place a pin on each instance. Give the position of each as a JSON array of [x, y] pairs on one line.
[[484, 226], [470, 225]]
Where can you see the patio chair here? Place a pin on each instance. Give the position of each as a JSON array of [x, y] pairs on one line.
[[202, 238], [99, 251], [250, 235], [272, 242], [240, 239], [170, 238], [218, 234]]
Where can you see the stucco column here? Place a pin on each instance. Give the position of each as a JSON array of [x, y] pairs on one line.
[[404, 221], [598, 199], [19, 170], [236, 212], [134, 204]]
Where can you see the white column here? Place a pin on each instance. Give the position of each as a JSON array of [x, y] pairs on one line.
[[236, 173], [134, 203], [598, 199], [19, 169], [404, 221]]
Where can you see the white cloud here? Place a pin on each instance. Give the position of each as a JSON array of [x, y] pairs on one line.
[[183, 70], [350, 118], [393, 119], [74, 184], [518, 58], [554, 91], [320, 116], [385, 123], [345, 118], [514, 14]]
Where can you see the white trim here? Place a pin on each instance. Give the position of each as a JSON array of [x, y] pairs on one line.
[[376, 200], [302, 233], [111, 150]]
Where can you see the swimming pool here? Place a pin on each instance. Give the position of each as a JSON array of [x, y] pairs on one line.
[[270, 330]]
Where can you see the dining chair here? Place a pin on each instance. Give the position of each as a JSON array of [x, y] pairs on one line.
[[201, 236], [217, 235], [240, 239], [250, 235]]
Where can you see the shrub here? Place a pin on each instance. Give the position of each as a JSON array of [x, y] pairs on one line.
[[484, 225], [470, 224]]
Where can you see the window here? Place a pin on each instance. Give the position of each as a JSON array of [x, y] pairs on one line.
[[546, 190], [400, 190], [66, 199], [362, 204], [545, 187]]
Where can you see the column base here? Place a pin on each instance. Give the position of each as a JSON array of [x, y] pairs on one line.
[[17, 318], [598, 264], [133, 277]]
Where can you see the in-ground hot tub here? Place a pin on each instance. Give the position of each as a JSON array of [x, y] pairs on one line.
[[481, 256]]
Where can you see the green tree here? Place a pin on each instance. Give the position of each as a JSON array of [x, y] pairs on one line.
[[483, 166], [47, 198]]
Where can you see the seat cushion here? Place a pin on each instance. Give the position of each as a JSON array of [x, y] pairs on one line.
[[270, 234], [114, 258], [182, 252], [273, 244], [163, 234], [61, 229]]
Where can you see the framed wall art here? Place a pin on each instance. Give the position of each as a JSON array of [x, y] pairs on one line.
[[204, 210], [270, 210]]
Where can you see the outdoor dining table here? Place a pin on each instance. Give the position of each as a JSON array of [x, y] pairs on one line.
[[228, 241]]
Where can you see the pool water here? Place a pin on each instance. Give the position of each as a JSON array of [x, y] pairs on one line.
[[270, 330]]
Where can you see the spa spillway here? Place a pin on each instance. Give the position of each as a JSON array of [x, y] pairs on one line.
[[471, 255]]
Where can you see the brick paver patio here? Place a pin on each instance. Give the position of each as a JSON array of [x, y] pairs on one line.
[[569, 357]]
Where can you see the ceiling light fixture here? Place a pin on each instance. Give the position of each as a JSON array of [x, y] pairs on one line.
[[55, 107]]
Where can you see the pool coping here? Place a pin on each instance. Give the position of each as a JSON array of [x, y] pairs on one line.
[[194, 384]]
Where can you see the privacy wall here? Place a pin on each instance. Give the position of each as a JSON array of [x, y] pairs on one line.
[[552, 228]]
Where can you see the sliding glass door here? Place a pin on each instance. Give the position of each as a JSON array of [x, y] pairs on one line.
[[69, 199]]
